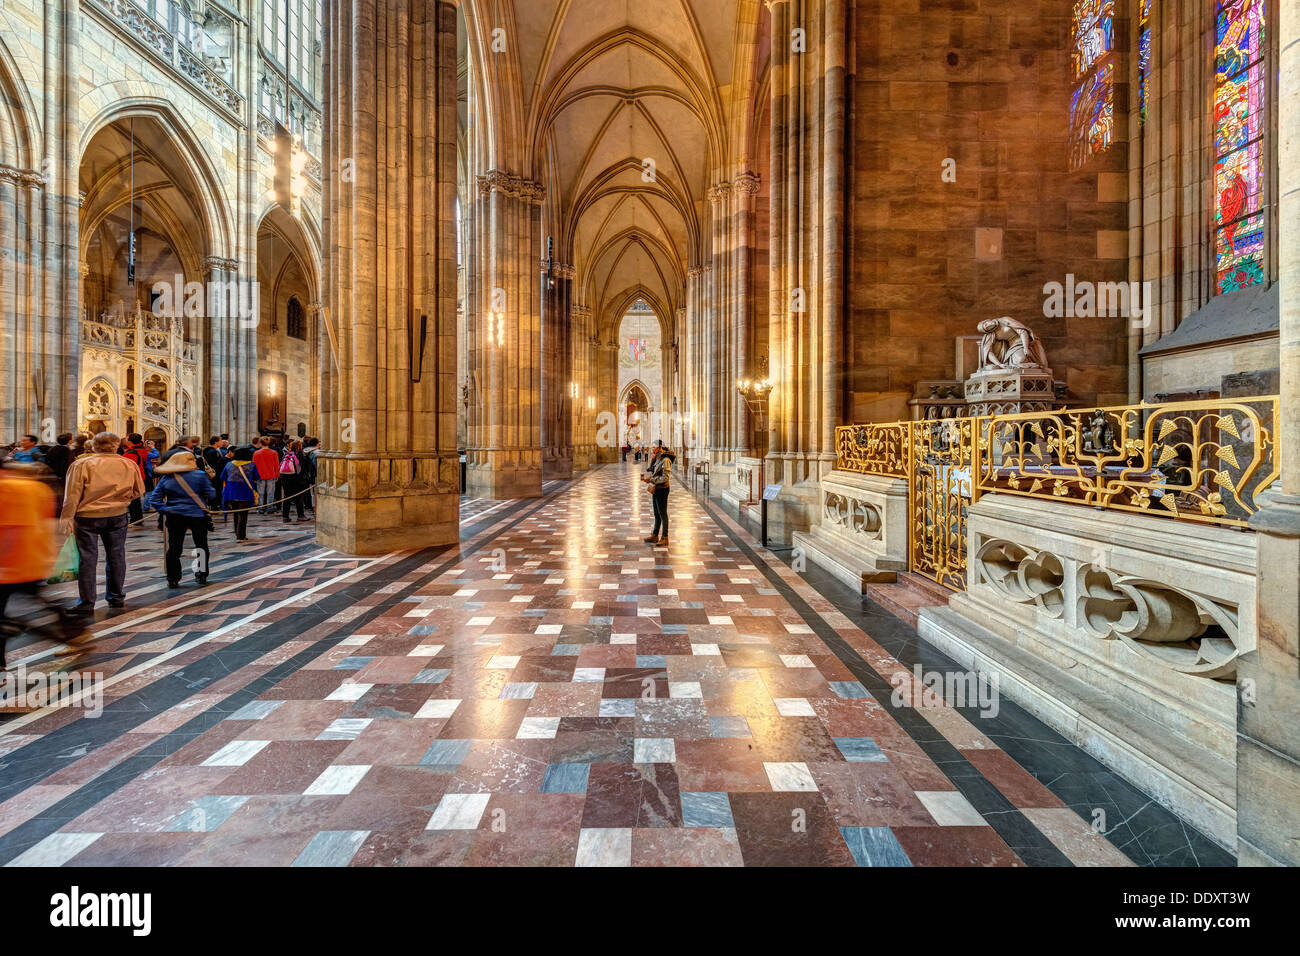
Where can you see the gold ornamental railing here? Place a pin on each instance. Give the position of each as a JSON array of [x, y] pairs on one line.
[[1202, 461]]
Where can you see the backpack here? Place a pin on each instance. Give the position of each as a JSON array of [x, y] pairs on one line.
[[138, 454], [290, 464]]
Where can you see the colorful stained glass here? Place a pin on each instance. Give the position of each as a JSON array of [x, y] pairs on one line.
[[1092, 115], [1239, 172], [1094, 33], [1092, 105], [1240, 252], [1144, 57], [1237, 184], [1238, 108], [1239, 36]]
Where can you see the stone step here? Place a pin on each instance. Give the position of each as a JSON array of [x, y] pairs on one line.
[[1194, 782]]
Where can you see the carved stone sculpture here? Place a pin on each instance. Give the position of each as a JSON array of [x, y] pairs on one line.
[[1009, 344], [1013, 374]]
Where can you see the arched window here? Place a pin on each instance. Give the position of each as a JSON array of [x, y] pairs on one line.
[[1241, 77], [296, 30], [1092, 105], [295, 320]]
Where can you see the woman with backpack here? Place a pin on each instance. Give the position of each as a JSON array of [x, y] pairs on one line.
[[293, 481], [239, 489]]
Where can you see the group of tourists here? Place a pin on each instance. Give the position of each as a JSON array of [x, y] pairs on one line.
[[92, 489]]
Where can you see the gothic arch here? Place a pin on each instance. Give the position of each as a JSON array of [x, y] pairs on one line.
[[19, 126], [213, 205]]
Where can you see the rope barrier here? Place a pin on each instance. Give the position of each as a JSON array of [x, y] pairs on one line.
[[229, 511]]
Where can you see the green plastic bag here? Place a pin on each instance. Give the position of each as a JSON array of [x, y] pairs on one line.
[[68, 563]]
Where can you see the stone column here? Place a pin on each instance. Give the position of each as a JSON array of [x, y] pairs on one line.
[[505, 444], [807, 253], [697, 325], [1268, 711], [390, 474], [56, 204], [230, 401], [557, 374], [721, 383], [681, 387], [584, 411], [744, 189]]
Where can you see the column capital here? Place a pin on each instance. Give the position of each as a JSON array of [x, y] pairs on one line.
[[718, 192], [21, 177], [512, 186], [747, 184], [218, 264], [699, 271]]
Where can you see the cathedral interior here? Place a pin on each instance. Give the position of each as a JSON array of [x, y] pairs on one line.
[[970, 333]]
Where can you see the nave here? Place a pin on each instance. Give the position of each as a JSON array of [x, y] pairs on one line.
[[553, 691]]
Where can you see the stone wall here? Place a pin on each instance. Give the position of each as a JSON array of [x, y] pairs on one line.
[[988, 88]]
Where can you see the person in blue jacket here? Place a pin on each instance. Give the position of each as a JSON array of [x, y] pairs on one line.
[[180, 497], [239, 488]]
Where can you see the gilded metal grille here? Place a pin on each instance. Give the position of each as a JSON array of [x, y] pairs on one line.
[[873, 449], [939, 495], [1193, 461], [1188, 461]]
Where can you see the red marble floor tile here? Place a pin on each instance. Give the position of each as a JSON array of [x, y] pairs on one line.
[[292, 720], [955, 846], [523, 848], [720, 766], [283, 767], [392, 741], [869, 794], [787, 829], [1016, 784], [502, 766], [697, 846], [485, 719]]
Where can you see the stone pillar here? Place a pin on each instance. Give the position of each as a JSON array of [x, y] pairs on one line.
[[807, 253], [39, 258], [58, 209], [389, 477], [505, 437], [1268, 708], [721, 382], [744, 189], [696, 430], [681, 386], [584, 407], [557, 374], [230, 400]]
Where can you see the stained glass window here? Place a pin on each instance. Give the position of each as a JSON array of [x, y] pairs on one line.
[[1144, 57], [1239, 117], [1092, 105]]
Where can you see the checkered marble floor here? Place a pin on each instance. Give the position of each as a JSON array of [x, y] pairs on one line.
[[552, 692]]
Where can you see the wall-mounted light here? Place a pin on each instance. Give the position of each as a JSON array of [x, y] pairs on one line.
[[591, 401], [573, 389], [496, 328]]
